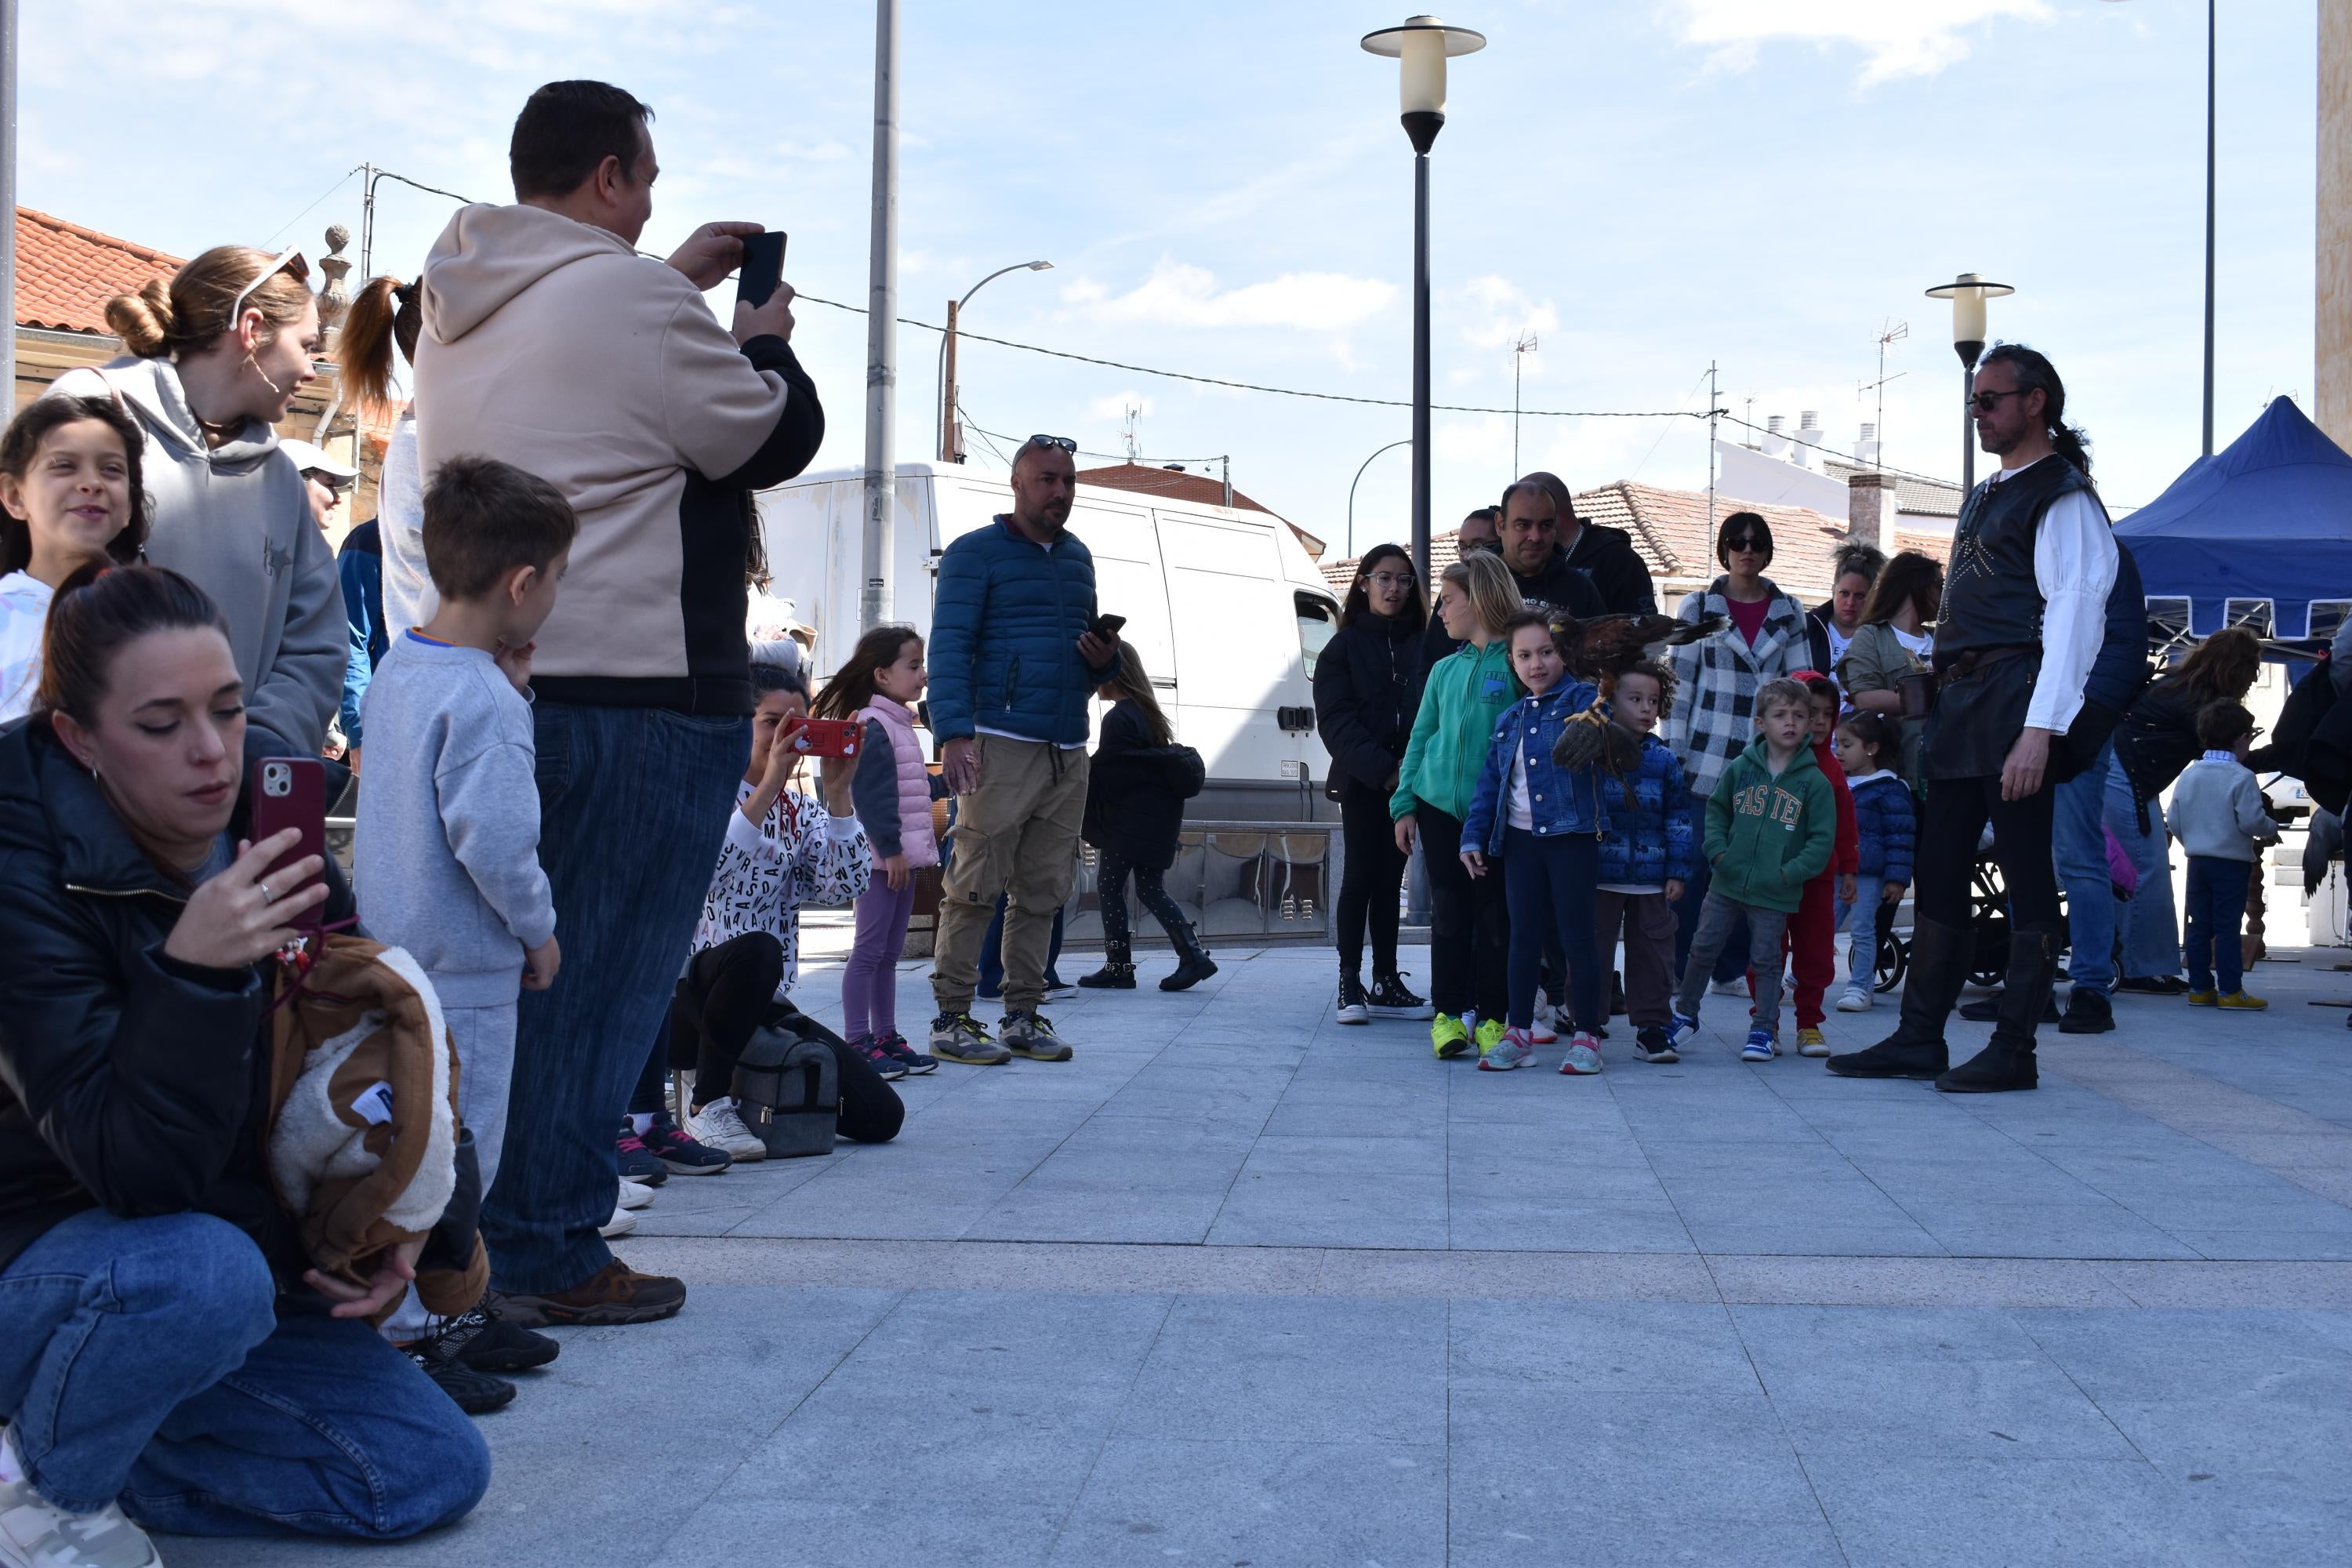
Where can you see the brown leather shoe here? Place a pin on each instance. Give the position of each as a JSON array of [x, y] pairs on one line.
[[615, 1293]]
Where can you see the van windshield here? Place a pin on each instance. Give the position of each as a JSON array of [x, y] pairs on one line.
[[1319, 621]]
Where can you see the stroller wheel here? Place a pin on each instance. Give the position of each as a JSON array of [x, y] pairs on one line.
[[1894, 963]]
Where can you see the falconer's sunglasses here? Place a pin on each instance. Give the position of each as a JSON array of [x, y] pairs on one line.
[[284, 261], [1986, 402]]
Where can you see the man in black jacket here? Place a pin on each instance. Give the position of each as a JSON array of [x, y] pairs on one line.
[[1551, 552]]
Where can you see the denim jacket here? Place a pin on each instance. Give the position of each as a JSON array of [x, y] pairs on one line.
[[1560, 801]]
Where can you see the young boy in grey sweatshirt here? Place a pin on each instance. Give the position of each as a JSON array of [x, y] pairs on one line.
[[2217, 813], [447, 862]]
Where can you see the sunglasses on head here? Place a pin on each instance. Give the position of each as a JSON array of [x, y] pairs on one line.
[[284, 261], [1064, 442]]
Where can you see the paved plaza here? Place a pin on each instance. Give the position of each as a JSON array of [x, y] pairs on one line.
[[1238, 1287]]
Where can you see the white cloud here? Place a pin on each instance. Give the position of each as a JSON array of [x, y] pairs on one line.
[[1897, 37], [1179, 295], [1493, 312]]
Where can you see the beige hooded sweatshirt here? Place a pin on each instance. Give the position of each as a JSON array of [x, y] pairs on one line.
[[552, 345]]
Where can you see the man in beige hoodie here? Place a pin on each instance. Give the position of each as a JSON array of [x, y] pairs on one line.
[[551, 344]]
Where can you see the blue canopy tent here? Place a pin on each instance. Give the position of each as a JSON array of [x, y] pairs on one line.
[[2259, 534]]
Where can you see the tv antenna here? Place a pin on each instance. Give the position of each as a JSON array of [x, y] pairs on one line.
[[1890, 331], [1133, 434]]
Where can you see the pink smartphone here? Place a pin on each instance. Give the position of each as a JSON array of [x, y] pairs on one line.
[[292, 791]]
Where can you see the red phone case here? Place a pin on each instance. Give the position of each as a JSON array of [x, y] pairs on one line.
[[826, 737], [290, 792]]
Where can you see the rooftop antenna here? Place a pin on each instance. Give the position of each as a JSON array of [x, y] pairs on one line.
[[1890, 331], [1519, 352], [1133, 436]]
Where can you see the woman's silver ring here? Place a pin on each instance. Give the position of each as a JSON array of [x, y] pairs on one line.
[[267, 896]]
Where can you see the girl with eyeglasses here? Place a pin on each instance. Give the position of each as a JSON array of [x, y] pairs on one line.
[[218, 352], [1367, 691]]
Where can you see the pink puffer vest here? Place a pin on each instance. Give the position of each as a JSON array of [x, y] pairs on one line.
[[916, 839]]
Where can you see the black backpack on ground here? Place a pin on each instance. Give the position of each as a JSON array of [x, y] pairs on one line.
[[788, 1091]]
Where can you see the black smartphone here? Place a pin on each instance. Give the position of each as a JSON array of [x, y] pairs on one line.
[[762, 269], [1108, 626]]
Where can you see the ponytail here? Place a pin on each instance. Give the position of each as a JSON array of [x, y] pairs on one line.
[[383, 313], [2036, 373]]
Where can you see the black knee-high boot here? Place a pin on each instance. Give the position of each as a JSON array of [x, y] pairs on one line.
[[2008, 1062], [1940, 967], [1195, 964]]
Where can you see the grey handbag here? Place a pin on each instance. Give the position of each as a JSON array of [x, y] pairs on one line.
[[788, 1091]]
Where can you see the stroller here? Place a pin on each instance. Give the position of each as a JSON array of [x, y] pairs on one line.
[[1989, 920]]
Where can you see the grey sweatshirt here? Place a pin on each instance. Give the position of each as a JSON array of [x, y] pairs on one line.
[[235, 521], [447, 863], [2217, 810]]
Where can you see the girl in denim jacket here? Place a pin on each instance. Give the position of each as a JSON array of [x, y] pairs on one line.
[[1546, 824]]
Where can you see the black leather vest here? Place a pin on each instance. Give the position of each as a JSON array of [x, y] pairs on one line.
[[1991, 598]]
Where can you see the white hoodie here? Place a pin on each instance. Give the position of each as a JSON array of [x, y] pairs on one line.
[[235, 521]]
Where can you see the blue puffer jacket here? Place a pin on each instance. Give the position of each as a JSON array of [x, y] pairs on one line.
[[1559, 801], [1648, 843], [1004, 629], [1885, 826]]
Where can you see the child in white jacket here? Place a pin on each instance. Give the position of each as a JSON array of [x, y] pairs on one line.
[[2217, 814]]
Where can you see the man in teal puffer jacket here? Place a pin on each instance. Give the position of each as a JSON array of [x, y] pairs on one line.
[[1014, 658]]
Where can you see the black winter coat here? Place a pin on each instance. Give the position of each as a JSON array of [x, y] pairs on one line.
[[1608, 560], [1560, 585], [1367, 691], [1136, 790], [2157, 737], [2313, 739], [127, 1080]]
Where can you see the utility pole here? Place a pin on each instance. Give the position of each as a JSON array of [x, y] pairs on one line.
[[882, 326], [1518, 357], [8, 190], [1714, 410]]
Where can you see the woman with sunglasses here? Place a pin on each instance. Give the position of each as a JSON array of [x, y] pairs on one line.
[[1716, 681], [1367, 691], [217, 353]]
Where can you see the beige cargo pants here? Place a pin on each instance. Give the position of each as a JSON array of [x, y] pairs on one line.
[[1017, 835]]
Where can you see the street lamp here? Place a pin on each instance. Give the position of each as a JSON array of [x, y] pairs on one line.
[[1968, 293], [1421, 49], [950, 447], [1352, 491]]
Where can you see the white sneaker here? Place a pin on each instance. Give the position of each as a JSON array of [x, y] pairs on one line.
[[1856, 1000], [634, 1196], [1541, 1032], [1727, 987], [621, 1223], [720, 1125], [37, 1533]]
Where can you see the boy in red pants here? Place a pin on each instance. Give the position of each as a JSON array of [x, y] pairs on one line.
[[1812, 930]]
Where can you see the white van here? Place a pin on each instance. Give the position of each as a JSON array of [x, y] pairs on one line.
[[1223, 606]]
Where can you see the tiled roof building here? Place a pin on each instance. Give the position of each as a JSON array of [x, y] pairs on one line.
[[66, 273]]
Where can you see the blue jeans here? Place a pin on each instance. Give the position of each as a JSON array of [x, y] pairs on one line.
[[2217, 906], [991, 956], [2151, 934], [1548, 885], [633, 806], [2078, 845], [143, 1361], [1859, 921], [1733, 964]]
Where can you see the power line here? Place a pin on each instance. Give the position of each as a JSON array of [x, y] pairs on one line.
[[298, 217]]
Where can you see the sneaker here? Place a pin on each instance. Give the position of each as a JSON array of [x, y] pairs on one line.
[[1541, 1032], [1679, 1030], [634, 1196], [1489, 1035], [1760, 1047], [474, 1392], [1737, 987], [961, 1037], [1810, 1044], [719, 1125], [2238, 1002], [681, 1154], [1858, 999], [1583, 1057], [622, 1223], [1515, 1050], [1354, 1008], [1392, 998], [869, 1050], [1449, 1037], [1652, 1046], [1032, 1035], [914, 1061], [485, 1341], [2204, 998], [638, 1164], [615, 1293], [1058, 989], [37, 1533], [2153, 984]]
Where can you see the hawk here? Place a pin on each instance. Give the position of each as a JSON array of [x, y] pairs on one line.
[[1600, 650]]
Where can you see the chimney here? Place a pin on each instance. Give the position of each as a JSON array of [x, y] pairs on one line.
[[1776, 445], [1870, 508], [1865, 451]]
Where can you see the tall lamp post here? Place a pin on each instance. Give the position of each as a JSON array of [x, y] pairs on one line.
[[1968, 293], [951, 445], [1422, 48], [1352, 491]]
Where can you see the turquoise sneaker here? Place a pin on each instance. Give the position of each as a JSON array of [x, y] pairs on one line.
[[1515, 1050]]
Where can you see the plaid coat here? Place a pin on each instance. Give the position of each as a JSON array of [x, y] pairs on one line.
[[1713, 717]]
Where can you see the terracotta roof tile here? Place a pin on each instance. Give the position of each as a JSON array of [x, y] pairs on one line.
[[66, 273]]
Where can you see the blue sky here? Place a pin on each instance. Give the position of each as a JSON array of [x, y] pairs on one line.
[[1224, 189]]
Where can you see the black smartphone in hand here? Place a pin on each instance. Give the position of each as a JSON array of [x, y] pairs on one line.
[[763, 269], [1108, 626]]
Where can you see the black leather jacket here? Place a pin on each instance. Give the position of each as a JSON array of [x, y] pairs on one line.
[[129, 1081]]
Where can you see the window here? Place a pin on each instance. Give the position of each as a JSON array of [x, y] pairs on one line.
[[1319, 622], [2255, 615], [2328, 617]]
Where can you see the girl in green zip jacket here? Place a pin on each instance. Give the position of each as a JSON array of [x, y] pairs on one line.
[[1466, 696]]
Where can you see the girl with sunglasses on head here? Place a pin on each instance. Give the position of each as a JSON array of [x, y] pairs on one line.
[[218, 352]]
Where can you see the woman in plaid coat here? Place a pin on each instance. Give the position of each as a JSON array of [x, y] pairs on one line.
[[1717, 679]]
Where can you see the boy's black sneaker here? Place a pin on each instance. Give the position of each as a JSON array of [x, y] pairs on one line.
[[475, 1393], [638, 1164], [2088, 1012], [681, 1154], [484, 1340], [1652, 1046], [1354, 1007], [1390, 998]]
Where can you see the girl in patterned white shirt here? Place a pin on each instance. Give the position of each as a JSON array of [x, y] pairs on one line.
[[70, 494]]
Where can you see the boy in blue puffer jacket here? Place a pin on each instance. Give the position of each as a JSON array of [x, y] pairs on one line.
[[1546, 825], [1646, 857], [1885, 826]]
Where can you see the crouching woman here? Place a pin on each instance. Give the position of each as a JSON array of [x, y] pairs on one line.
[[167, 1353]]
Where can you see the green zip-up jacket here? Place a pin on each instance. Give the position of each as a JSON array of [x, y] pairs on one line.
[[1460, 706], [1767, 837]]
